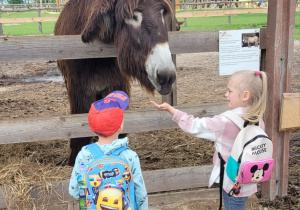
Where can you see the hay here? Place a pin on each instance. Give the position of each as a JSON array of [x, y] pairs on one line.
[[29, 166]]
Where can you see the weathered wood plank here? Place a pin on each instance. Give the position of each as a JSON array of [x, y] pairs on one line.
[[171, 98], [51, 48], [28, 48], [28, 20], [202, 198], [181, 199], [30, 9], [177, 178], [155, 181], [71, 126], [279, 57], [290, 112]]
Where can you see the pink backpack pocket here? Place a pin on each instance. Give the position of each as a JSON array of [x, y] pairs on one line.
[[255, 171]]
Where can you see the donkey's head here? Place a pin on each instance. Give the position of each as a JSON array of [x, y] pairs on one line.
[[139, 29]]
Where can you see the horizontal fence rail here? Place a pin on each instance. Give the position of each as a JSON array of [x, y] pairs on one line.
[[76, 125], [30, 9], [27, 48], [156, 181]]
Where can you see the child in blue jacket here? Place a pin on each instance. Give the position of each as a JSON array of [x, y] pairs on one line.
[[106, 120]]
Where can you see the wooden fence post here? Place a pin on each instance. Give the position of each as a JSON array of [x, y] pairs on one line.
[[40, 23], [229, 17], [40, 15], [171, 98], [185, 19], [1, 29], [279, 56]]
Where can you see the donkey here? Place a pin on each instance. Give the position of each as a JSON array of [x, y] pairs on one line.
[[139, 30], [249, 40]]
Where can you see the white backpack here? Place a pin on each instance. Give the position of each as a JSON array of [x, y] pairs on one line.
[[251, 158]]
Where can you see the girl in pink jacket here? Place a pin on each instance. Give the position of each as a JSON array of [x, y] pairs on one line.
[[246, 96]]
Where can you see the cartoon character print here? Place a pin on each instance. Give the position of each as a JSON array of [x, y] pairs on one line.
[[108, 184], [88, 203], [100, 165], [258, 174], [95, 181], [126, 176], [117, 172], [109, 174], [112, 198], [119, 183]]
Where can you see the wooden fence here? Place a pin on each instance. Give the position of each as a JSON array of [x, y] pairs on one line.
[[38, 19], [278, 34], [71, 47], [61, 127], [184, 15]]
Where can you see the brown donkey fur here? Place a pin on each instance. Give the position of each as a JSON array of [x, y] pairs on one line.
[[139, 29]]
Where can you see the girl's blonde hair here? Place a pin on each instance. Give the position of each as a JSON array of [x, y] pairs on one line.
[[256, 84]]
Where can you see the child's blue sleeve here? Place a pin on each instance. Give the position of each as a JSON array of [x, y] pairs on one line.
[[139, 184], [73, 185]]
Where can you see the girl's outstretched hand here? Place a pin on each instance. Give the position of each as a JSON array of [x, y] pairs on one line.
[[164, 107]]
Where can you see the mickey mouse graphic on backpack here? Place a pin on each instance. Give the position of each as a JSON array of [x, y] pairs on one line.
[[258, 174]]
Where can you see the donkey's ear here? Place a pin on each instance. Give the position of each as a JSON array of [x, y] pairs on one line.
[[100, 24]]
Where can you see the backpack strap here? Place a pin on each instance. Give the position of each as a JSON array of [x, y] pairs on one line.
[[97, 152], [222, 169], [234, 118]]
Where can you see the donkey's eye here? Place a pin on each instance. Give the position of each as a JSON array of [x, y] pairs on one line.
[[136, 20]]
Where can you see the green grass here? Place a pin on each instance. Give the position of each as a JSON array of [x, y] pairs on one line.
[[197, 10], [297, 25], [22, 29], [221, 22], [242, 21], [28, 29]]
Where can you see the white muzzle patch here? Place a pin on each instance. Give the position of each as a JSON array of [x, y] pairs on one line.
[[159, 60]]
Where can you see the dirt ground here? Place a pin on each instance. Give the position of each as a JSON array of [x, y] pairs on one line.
[[29, 89]]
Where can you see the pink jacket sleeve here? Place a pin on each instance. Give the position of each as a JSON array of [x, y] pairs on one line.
[[205, 127]]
